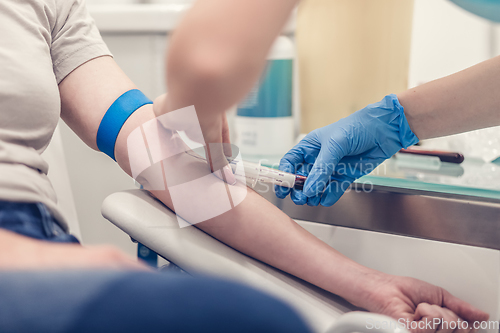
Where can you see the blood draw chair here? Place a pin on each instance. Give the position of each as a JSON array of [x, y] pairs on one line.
[[149, 222], [366, 227]]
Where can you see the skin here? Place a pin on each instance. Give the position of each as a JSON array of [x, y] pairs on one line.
[[23, 253], [461, 102]]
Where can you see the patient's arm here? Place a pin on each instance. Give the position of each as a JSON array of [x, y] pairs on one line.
[[260, 230], [255, 227], [25, 253]]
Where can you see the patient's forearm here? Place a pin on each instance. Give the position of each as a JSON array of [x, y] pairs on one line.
[[254, 227], [257, 228]]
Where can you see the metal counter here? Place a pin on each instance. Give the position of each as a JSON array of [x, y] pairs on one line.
[[434, 216]]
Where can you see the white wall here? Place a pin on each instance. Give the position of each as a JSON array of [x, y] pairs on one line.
[[445, 40]]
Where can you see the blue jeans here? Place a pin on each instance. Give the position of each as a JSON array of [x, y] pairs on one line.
[[33, 220], [112, 301]]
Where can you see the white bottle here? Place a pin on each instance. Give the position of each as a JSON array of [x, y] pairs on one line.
[[264, 122]]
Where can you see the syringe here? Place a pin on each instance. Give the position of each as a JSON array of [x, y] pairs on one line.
[[251, 173], [255, 172]]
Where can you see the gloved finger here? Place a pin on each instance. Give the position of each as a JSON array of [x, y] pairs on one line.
[[310, 201], [298, 197], [305, 151], [311, 156], [320, 174], [296, 160], [314, 201], [281, 191], [329, 156], [335, 190]]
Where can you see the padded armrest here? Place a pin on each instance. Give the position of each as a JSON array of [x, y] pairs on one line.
[[150, 222]]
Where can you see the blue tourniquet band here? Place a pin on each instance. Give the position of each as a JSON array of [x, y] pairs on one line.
[[115, 117]]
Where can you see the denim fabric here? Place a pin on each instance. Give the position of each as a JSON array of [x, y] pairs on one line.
[[102, 301], [33, 220]]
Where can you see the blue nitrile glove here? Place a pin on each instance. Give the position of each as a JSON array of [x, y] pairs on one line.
[[336, 155]]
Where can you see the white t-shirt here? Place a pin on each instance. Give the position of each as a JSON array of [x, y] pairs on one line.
[[41, 42]]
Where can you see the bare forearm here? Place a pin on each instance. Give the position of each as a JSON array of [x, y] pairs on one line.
[[461, 102], [260, 230]]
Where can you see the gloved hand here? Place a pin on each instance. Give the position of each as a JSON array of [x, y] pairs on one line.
[[334, 156]]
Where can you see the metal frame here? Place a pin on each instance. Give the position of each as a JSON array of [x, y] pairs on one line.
[[453, 219]]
